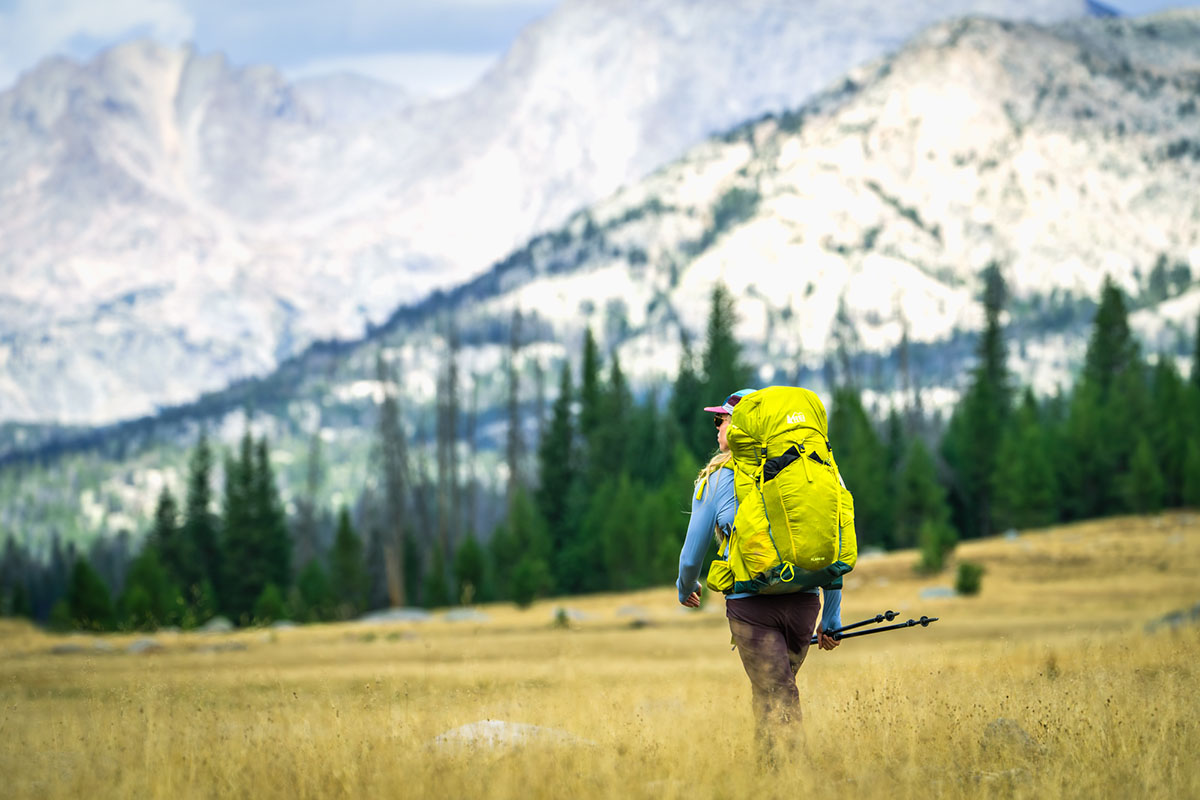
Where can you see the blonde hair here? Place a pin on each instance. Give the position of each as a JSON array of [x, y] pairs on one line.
[[714, 465]]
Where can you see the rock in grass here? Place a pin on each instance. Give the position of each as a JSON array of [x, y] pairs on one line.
[[1176, 619], [466, 615], [397, 615], [216, 625], [1006, 737], [145, 646], [497, 734], [222, 647]]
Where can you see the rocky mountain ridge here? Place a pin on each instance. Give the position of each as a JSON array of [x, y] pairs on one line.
[[177, 223]]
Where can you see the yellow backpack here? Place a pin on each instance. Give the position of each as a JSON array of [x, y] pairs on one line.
[[794, 527]]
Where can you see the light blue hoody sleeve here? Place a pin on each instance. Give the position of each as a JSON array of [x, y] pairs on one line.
[[831, 610], [714, 503]]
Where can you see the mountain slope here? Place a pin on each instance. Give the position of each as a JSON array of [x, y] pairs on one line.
[[847, 227], [177, 223]]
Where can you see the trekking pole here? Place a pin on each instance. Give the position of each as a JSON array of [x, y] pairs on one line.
[[923, 622], [888, 615]]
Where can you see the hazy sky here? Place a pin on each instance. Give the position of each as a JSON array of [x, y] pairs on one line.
[[427, 46]]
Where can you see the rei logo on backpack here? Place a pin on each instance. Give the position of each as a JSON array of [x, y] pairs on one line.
[[794, 528]]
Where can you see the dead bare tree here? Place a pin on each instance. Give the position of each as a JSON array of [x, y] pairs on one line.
[[394, 458], [515, 449]]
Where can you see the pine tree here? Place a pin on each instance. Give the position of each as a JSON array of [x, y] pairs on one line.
[[239, 586], [862, 462], [1110, 391], [1025, 484], [314, 593], [1167, 426], [56, 576], [521, 538], [972, 442], [88, 599], [270, 606], [584, 567], [503, 554], [624, 545], [1196, 357], [306, 547], [530, 579], [257, 547], [685, 404], [724, 372], [1190, 493], [1144, 483], [1112, 350], [200, 524], [276, 543], [1084, 466], [665, 518], [14, 579], [108, 555], [896, 444], [437, 587], [20, 605], [556, 470], [611, 435], [922, 500], [591, 396], [348, 577], [469, 567], [149, 599], [175, 551]]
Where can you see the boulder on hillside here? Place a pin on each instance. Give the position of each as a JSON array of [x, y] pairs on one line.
[[216, 625], [145, 645]]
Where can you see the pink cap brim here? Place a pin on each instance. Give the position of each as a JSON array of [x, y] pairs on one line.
[[716, 410]]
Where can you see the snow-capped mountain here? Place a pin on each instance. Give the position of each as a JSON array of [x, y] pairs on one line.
[[173, 222], [1062, 153]]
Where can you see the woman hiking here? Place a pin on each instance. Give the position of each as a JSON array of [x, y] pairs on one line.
[[771, 632]]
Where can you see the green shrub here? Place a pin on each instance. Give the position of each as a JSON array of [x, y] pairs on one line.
[[530, 578], [937, 540], [270, 606], [970, 578]]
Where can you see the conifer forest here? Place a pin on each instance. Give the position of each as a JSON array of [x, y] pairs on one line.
[[598, 501]]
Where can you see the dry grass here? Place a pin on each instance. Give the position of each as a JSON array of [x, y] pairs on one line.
[[1056, 642]]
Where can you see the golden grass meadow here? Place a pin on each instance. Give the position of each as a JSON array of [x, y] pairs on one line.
[[640, 698]]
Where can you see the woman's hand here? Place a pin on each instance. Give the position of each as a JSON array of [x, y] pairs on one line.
[[825, 641], [693, 599]]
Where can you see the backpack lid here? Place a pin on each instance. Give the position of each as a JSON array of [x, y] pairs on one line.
[[788, 412]]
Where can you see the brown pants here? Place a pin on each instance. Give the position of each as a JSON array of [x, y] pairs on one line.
[[772, 635]]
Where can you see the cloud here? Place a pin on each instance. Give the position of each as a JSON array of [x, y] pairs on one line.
[[31, 30], [430, 74]]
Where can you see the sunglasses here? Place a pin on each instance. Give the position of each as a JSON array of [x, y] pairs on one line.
[[720, 421]]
